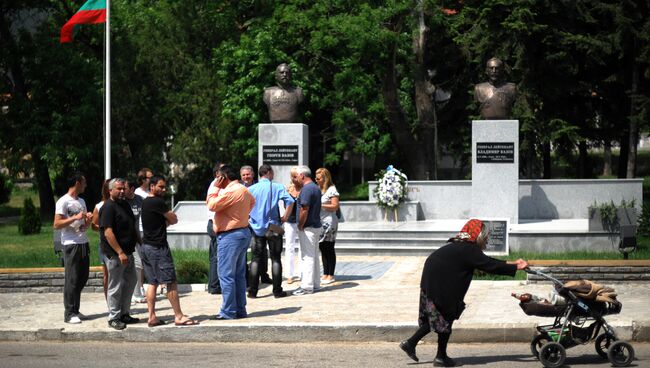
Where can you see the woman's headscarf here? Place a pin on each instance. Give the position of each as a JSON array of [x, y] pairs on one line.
[[469, 232]]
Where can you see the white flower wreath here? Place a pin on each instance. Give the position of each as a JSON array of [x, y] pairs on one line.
[[392, 188]]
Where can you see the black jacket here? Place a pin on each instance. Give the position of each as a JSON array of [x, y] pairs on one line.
[[448, 272]]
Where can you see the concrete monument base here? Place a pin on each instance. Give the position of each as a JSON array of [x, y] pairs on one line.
[[283, 146], [495, 169]]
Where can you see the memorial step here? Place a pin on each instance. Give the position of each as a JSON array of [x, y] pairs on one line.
[[392, 234], [628, 271]]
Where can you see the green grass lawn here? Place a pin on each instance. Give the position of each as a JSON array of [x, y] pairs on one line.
[[21, 251], [35, 250]]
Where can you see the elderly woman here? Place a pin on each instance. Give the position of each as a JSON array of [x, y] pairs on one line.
[[329, 206], [445, 280]]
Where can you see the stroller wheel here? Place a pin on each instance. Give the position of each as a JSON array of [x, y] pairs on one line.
[[537, 344], [552, 355], [603, 342], [620, 354]]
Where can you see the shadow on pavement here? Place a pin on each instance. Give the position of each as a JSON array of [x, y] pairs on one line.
[[265, 313], [339, 286], [481, 360], [352, 277], [275, 312]]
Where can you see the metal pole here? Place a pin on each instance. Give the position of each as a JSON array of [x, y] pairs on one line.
[[107, 142]]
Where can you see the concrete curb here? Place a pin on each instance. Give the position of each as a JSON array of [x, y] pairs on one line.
[[277, 333]]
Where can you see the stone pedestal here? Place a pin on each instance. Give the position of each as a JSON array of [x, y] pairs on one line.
[[495, 169], [283, 146]]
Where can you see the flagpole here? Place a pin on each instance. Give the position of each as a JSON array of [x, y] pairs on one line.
[[107, 105]]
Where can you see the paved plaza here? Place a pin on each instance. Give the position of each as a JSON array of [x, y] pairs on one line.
[[374, 299]]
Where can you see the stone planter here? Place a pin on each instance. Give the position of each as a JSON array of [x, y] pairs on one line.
[[624, 216]]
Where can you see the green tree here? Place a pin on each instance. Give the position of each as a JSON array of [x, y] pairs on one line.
[[29, 222], [54, 109], [572, 64]]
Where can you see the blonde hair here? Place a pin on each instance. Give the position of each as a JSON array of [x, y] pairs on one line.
[[327, 178]]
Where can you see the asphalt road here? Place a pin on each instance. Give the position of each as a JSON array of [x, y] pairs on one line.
[[331, 355]]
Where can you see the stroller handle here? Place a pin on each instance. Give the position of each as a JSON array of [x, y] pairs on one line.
[[542, 274]]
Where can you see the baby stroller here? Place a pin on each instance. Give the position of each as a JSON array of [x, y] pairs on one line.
[[577, 322]]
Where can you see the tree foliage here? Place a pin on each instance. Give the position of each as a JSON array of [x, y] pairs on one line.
[[187, 80]]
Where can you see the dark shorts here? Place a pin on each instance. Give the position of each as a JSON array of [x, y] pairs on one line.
[[158, 264]]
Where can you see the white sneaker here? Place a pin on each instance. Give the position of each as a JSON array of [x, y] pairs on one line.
[[327, 282], [301, 291], [74, 320], [138, 299]]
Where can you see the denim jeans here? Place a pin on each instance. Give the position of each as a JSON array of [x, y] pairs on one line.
[[232, 271]]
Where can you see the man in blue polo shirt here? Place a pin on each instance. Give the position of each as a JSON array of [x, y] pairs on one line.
[[309, 229], [267, 195]]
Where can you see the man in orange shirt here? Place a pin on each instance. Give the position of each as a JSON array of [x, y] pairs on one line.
[[232, 204]]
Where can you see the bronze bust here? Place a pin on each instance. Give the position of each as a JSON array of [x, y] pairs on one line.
[[495, 97], [283, 100]]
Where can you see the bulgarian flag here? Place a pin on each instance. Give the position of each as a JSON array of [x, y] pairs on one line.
[[92, 12]]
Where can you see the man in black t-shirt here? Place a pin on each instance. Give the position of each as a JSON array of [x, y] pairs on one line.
[[118, 236], [135, 201], [156, 255]]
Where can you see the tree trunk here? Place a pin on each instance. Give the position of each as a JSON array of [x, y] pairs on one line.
[[407, 143], [583, 160], [622, 158], [44, 185], [424, 103], [607, 159], [634, 125], [546, 157]]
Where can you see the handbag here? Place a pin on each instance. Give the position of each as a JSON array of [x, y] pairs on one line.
[[273, 230], [339, 215]]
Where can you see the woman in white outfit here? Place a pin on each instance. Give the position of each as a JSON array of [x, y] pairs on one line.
[[329, 206], [292, 250]]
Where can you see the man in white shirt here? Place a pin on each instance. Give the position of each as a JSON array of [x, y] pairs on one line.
[[143, 180], [72, 218], [247, 175]]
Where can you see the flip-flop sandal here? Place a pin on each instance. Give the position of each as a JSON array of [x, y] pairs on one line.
[[157, 323], [187, 322]]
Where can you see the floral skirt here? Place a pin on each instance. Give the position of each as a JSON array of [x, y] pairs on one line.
[[429, 314]]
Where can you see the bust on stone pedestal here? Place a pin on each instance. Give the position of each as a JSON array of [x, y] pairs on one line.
[[284, 99], [284, 142], [495, 96]]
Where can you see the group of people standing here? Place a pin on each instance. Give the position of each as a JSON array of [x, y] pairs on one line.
[[132, 226], [132, 223], [258, 214], [133, 217]]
